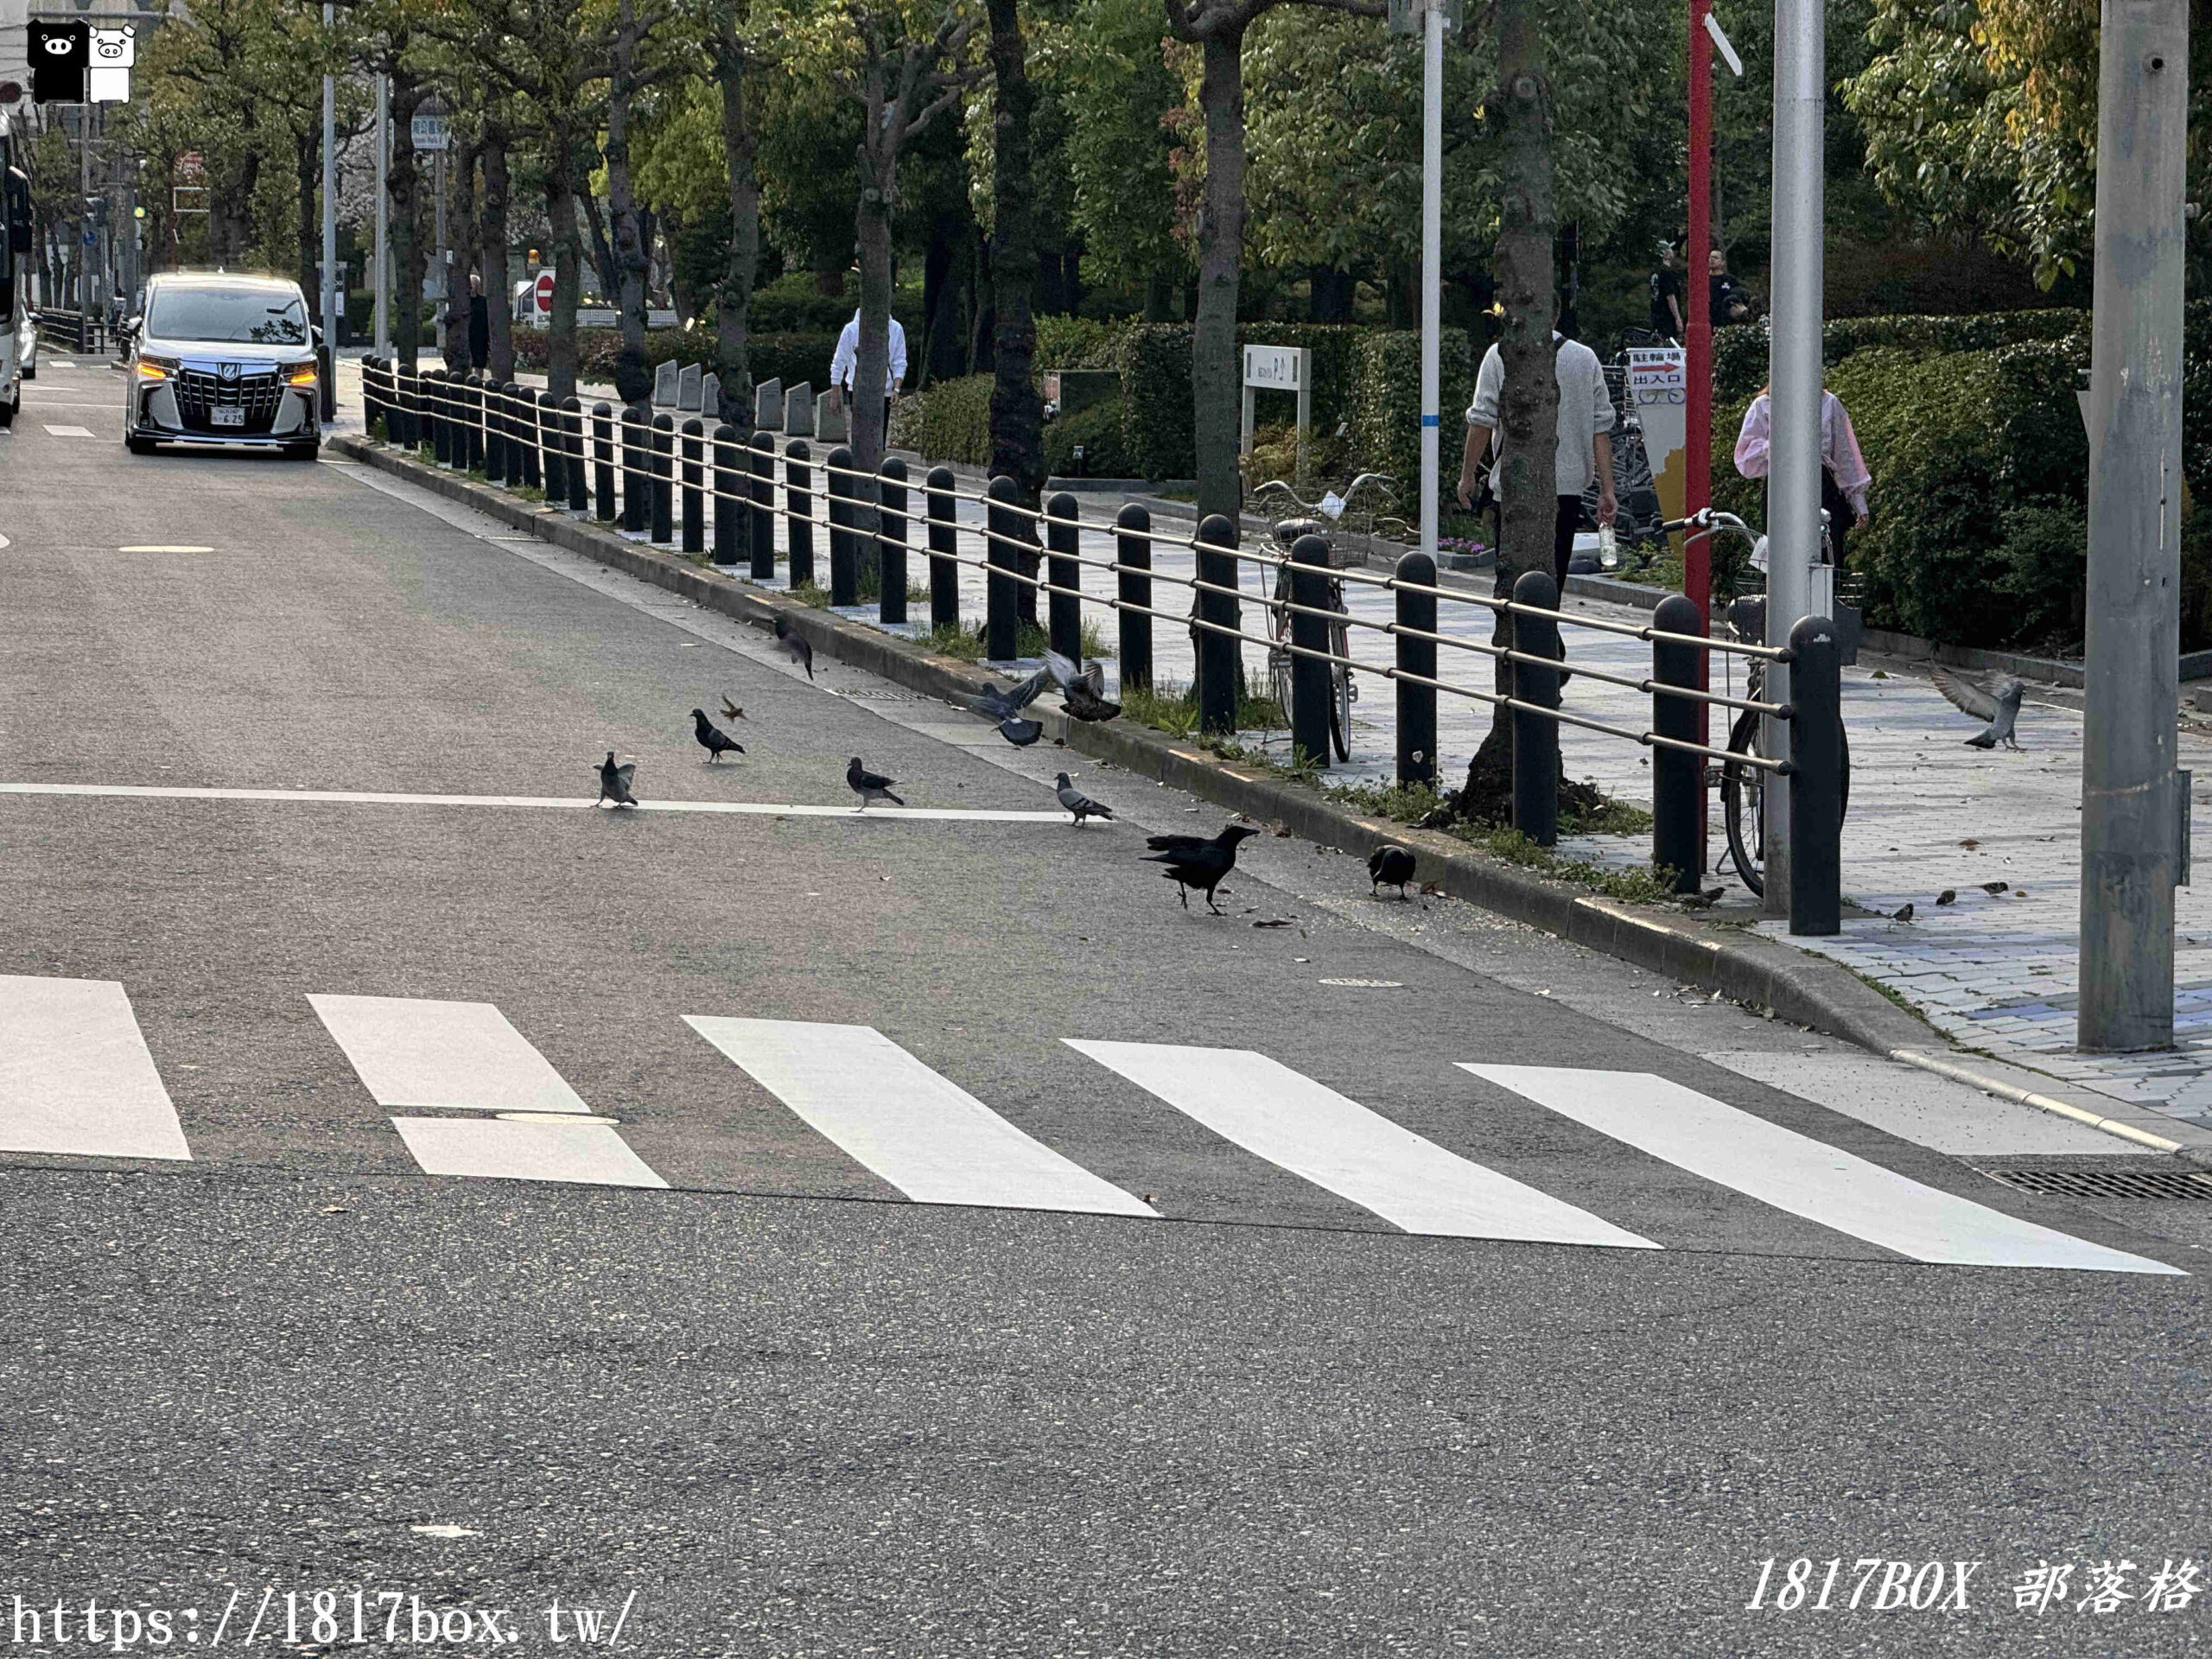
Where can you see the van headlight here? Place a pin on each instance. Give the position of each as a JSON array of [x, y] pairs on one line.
[[299, 374], [156, 368]]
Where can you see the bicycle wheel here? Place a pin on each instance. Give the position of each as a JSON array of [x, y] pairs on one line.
[[1743, 804], [1341, 688]]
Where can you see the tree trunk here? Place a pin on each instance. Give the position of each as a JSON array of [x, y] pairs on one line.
[[460, 213], [1158, 297], [630, 257], [306, 158], [1331, 296], [741, 268], [602, 250], [1216, 403], [498, 296], [568, 264], [878, 163], [1017, 410], [406, 247]]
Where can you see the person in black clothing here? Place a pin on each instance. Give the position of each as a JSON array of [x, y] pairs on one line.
[[480, 326], [1667, 296], [1729, 300]]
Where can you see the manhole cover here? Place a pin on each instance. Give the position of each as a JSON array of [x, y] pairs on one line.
[[2107, 1183], [1369, 984], [884, 696]]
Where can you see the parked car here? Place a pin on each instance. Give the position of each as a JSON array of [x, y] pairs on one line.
[[223, 359]]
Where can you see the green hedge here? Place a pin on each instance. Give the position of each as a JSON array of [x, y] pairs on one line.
[[949, 421], [1386, 404], [1739, 352], [1153, 360], [1076, 343], [788, 358]]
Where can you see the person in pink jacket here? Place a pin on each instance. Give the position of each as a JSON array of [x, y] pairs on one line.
[[1844, 476]]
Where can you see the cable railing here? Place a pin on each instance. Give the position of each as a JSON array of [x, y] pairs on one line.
[[721, 497]]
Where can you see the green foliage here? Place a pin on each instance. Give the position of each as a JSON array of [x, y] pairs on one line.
[[1740, 350], [1076, 343], [1155, 363], [1098, 430], [1386, 401], [788, 358], [949, 421]]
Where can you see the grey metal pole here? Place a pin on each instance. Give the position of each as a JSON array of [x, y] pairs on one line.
[[1793, 500], [384, 215], [330, 301], [2132, 822]]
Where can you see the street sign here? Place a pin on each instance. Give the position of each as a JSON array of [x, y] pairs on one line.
[[544, 293], [59, 55], [429, 131], [1277, 368], [188, 165]]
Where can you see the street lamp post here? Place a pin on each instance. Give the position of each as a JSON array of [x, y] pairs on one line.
[[1432, 266], [329, 229], [384, 215]]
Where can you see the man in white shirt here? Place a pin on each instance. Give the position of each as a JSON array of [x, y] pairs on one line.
[[1585, 446], [847, 361]]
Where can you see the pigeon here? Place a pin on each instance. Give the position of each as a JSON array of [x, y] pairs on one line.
[[1392, 864], [1904, 915], [1082, 690], [1948, 896], [716, 743], [1079, 804], [1995, 887], [868, 786], [730, 710], [795, 643], [614, 781], [1998, 703], [1005, 706], [1197, 861]]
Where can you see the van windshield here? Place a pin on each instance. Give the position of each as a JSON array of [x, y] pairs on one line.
[[247, 316]]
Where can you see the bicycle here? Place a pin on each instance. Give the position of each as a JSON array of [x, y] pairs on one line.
[[1742, 785], [1320, 519]]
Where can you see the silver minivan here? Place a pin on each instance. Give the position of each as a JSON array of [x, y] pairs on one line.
[[223, 359]]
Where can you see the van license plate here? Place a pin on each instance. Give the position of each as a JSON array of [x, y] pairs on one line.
[[229, 416]]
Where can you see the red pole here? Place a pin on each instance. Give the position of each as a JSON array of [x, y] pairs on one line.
[[1697, 341]]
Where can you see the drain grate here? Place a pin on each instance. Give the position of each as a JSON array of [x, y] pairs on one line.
[[2107, 1183]]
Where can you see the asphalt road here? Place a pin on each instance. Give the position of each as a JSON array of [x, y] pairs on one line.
[[762, 1396]]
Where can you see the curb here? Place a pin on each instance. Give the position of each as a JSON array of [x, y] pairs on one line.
[[1805, 989]]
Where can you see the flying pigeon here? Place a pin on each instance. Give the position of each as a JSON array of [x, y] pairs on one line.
[[614, 781], [1998, 703], [868, 786], [1005, 706], [730, 710], [1392, 864], [795, 643], [1082, 690], [1078, 803], [1197, 861], [716, 743]]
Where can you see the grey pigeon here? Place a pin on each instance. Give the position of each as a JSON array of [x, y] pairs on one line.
[[1005, 706], [716, 743], [1078, 803], [869, 786], [614, 781], [1904, 915], [1082, 690], [1392, 864], [1998, 703], [1197, 861], [1948, 896], [795, 642]]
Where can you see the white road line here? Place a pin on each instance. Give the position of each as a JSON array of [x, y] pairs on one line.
[[366, 797], [1799, 1174], [934, 1141], [550, 1149], [68, 431], [415, 1052], [1914, 1106], [75, 1075], [1288, 1119]]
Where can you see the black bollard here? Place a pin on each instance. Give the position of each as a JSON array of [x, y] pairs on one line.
[[1677, 786], [1001, 636], [695, 501], [730, 513], [475, 421], [434, 420], [891, 543], [844, 555], [1816, 763], [572, 430], [763, 514], [602, 459], [637, 466], [1311, 680], [1217, 653], [798, 511], [495, 433], [1535, 735], [1416, 704], [522, 433], [1133, 549], [664, 477], [1062, 534], [945, 549], [553, 441]]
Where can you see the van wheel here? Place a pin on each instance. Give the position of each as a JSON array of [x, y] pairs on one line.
[[138, 446]]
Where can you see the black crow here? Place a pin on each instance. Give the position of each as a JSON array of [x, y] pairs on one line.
[[1194, 861], [1392, 864], [868, 786], [614, 781], [1079, 804], [716, 743], [795, 642]]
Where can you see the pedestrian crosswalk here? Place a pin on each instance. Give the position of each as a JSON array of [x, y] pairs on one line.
[[469, 1095]]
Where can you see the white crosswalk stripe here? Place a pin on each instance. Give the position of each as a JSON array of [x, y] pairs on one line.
[[545, 1150], [1288, 1118], [1795, 1172], [75, 1074], [931, 1140]]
